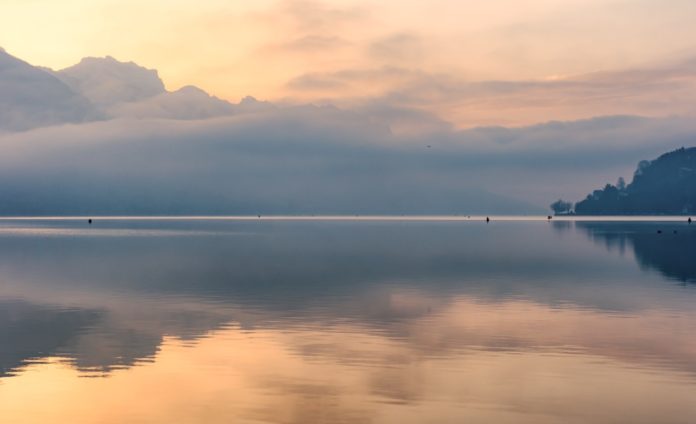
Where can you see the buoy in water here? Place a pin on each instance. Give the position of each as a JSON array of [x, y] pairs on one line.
[[488, 219], [89, 221]]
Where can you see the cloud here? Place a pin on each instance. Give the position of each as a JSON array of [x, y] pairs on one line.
[[386, 152], [316, 15], [186, 103], [402, 47], [371, 83], [649, 91], [313, 44], [318, 160], [228, 47], [306, 160]]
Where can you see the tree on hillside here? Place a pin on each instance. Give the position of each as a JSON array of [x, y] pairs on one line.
[[560, 207], [666, 185], [621, 184]]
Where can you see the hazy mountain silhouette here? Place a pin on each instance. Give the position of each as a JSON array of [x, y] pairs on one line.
[[106, 81], [666, 185], [33, 97], [125, 89], [94, 89]]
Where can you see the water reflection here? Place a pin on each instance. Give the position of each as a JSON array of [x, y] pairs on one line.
[[669, 248], [30, 332], [344, 322]]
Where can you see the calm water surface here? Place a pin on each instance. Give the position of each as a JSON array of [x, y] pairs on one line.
[[347, 321]]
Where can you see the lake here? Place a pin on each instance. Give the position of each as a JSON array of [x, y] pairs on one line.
[[347, 320]]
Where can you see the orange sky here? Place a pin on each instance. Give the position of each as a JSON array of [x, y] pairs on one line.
[[267, 48]]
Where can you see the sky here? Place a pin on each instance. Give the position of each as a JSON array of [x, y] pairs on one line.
[[386, 107], [471, 63]]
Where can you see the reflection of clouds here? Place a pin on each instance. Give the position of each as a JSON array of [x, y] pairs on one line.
[[514, 357], [650, 338], [340, 322], [393, 279], [131, 332], [562, 366]]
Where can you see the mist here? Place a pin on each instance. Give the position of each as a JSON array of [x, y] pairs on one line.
[[316, 160]]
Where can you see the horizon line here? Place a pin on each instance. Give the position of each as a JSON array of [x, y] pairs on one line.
[[412, 218]]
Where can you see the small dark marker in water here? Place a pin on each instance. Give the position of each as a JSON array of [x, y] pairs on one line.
[[89, 221], [689, 220], [259, 216], [488, 219], [659, 231], [549, 217], [675, 231]]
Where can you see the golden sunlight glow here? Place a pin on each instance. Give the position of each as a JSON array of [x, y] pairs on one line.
[[344, 51], [571, 360]]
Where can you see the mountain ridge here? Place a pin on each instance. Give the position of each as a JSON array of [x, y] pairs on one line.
[[95, 89], [32, 97]]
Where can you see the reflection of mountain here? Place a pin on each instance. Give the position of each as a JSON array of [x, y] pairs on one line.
[[671, 251], [95, 341], [29, 332]]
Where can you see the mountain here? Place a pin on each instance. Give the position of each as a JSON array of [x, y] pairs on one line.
[[106, 81], [95, 89], [666, 185], [186, 103], [33, 97], [128, 90]]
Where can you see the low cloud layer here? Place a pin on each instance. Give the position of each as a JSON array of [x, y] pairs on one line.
[[317, 160]]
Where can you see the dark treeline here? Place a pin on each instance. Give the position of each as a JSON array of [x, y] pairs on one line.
[[666, 185]]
